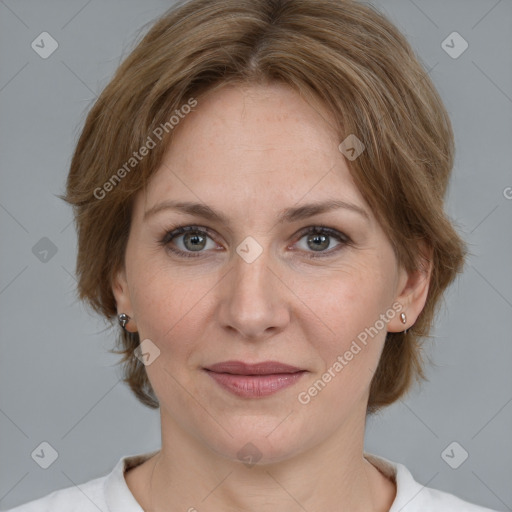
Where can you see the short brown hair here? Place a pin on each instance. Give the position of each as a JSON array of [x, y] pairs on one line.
[[346, 55]]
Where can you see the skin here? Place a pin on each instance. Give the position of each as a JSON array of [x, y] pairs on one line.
[[250, 152]]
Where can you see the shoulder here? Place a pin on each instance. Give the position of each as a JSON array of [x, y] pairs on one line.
[[87, 497], [109, 492], [441, 501], [411, 496]]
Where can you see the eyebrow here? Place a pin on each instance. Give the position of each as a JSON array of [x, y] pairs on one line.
[[287, 215]]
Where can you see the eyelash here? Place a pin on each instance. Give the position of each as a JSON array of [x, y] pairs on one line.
[[321, 230]]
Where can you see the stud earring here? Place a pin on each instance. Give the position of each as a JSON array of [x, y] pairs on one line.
[[123, 320], [403, 318]]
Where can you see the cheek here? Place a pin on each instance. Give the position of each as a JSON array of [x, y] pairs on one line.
[[347, 330], [170, 312], [169, 303], [164, 304], [350, 301]]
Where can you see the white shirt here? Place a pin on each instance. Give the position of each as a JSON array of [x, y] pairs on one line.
[[111, 493]]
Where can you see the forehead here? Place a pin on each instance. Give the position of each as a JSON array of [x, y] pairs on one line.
[[253, 144]]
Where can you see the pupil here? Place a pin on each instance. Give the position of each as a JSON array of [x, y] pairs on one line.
[[196, 241], [316, 238]]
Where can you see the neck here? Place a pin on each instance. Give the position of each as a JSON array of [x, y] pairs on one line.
[[186, 475]]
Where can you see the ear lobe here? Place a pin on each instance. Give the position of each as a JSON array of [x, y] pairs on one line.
[[123, 301], [412, 295], [121, 293]]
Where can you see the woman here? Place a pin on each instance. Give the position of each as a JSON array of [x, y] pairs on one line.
[[259, 201]]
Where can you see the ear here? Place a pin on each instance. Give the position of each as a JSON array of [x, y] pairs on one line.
[[412, 290], [123, 301]]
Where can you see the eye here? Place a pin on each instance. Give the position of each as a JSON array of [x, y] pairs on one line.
[[318, 239], [189, 241], [194, 240]]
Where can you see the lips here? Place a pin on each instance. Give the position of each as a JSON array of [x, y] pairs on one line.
[[254, 380], [263, 368]]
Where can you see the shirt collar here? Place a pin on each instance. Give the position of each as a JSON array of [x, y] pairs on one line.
[[407, 489], [117, 493]]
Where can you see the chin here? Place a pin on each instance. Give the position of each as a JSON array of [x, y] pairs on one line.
[[259, 441]]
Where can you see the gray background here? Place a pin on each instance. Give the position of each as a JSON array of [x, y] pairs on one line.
[[58, 383]]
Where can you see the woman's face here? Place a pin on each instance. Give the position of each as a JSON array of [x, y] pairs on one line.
[[259, 285]]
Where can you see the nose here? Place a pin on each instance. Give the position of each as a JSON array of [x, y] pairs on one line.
[[253, 298]]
